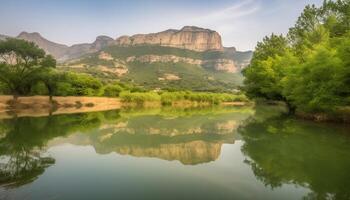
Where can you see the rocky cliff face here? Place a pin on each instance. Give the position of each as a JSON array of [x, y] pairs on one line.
[[79, 50], [190, 153], [189, 37], [63, 52], [200, 41], [56, 50], [224, 65]]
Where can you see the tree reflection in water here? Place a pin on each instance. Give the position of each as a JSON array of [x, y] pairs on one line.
[[23, 142], [283, 150]]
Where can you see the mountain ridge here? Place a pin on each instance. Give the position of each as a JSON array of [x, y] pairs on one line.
[[190, 58], [189, 37]]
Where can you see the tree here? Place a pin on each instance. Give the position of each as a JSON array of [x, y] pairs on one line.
[[70, 83], [321, 83], [112, 90], [51, 79], [20, 64], [311, 70], [267, 68]]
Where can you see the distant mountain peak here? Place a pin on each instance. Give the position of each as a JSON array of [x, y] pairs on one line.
[[27, 34], [55, 49], [102, 41], [189, 37], [195, 29], [103, 38]]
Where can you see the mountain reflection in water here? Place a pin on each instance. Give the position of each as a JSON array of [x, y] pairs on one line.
[[259, 153], [191, 136]]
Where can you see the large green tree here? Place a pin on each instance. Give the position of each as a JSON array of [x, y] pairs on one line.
[[310, 68], [268, 67], [20, 64]]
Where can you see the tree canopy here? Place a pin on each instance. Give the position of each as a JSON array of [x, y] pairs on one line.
[[20, 64], [310, 67]]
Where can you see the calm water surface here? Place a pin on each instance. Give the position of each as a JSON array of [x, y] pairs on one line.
[[207, 153]]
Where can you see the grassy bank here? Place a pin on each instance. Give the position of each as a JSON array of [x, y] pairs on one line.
[[183, 97], [41, 105]]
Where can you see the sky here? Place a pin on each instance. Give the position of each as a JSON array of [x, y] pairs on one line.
[[241, 23]]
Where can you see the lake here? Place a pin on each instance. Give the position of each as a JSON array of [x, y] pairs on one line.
[[173, 153]]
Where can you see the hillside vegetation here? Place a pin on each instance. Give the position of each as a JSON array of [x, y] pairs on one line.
[[152, 75]]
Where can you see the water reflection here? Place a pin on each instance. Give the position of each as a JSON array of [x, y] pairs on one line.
[[23, 142], [278, 150], [191, 136], [282, 150]]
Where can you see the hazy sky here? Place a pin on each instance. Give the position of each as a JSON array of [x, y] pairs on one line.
[[241, 23]]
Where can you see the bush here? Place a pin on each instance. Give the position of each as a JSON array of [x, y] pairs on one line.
[[112, 90], [77, 84], [139, 97], [201, 97]]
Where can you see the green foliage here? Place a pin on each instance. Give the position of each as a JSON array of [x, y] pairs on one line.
[[321, 83], [149, 74], [21, 65], [139, 50], [310, 71], [139, 97], [39, 89], [191, 77], [268, 67], [167, 98], [79, 85], [112, 90]]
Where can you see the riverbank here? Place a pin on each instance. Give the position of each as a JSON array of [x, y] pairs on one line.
[[41, 106], [342, 115]]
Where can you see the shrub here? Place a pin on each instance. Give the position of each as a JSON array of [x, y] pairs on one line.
[[139, 97], [112, 90]]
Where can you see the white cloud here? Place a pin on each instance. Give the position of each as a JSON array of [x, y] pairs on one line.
[[239, 10], [231, 22]]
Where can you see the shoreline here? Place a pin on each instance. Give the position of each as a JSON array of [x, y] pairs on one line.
[[38, 106]]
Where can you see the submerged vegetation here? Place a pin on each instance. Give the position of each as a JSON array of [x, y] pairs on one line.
[[309, 69]]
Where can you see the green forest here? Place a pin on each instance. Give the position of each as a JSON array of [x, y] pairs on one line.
[[309, 68]]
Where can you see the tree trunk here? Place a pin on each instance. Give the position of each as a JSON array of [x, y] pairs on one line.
[[50, 90], [291, 108], [15, 97]]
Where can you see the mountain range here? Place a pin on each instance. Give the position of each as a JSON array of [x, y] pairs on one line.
[[174, 58]]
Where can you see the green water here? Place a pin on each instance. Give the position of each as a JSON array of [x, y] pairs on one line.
[[207, 153]]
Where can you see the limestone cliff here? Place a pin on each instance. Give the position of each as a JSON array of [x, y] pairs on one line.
[[224, 65], [79, 50], [203, 47], [190, 153], [189, 37]]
